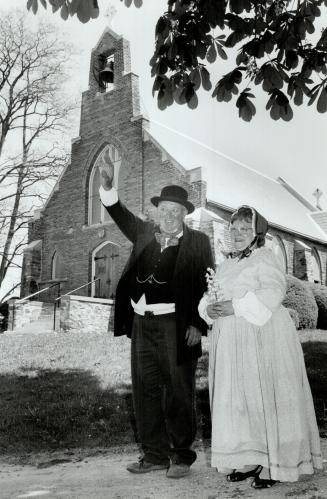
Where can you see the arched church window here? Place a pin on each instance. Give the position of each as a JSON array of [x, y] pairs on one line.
[[56, 266], [275, 242], [97, 213], [316, 266], [281, 252]]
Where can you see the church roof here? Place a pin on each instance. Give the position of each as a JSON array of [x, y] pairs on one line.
[[231, 184], [320, 218]]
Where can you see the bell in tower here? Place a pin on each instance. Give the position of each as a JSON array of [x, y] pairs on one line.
[[106, 75]]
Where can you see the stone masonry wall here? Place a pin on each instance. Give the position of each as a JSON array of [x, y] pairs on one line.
[[23, 313], [85, 315], [159, 172], [302, 267], [32, 259]]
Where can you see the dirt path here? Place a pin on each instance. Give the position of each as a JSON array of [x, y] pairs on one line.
[[103, 476]]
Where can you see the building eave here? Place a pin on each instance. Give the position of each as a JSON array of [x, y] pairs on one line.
[[296, 194]]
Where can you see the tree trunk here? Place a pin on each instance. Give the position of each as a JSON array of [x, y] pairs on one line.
[[11, 231], [15, 211], [4, 131]]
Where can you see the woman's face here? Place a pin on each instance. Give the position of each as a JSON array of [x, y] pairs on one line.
[[241, 234]]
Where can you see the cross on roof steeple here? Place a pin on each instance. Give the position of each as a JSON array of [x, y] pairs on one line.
[[110, 13], [317, 194]]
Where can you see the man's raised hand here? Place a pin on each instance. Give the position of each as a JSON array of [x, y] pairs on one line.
[[106, 169]]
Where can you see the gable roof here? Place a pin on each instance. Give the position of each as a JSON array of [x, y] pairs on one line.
[[107, 30], [231, 184]]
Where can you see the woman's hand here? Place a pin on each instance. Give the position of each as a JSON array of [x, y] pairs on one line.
[[225, 308], [220, 309], [212, 310]]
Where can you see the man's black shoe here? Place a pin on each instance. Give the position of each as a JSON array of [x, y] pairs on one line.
[[143, 466]]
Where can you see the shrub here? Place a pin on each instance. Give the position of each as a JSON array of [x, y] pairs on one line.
[[299, 296], [295, 317], [320, 294]]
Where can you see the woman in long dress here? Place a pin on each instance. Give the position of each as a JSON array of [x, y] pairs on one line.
[[263, 419]]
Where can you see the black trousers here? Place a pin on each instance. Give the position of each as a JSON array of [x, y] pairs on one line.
[[163, 393]]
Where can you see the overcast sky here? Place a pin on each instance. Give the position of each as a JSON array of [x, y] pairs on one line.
[[296, 151]]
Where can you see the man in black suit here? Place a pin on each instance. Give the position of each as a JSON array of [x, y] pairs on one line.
[[157, 306]]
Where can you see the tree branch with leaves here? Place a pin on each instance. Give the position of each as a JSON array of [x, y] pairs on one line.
[[278, 50]]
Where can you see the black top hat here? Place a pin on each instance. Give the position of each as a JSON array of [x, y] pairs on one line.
[[176, 194]]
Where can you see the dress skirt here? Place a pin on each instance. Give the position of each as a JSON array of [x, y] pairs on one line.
[[261, 402]]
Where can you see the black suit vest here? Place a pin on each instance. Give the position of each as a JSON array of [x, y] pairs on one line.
[[153, 274]]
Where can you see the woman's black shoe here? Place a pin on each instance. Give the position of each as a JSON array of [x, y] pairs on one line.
[[238, 476], [262, 483]]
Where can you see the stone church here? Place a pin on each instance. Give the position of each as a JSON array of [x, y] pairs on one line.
[[76, 253]]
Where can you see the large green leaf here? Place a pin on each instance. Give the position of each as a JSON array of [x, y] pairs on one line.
[[212, 53], [246, 108], [205, 76], [185, 40], [64, 12], [322, 101]]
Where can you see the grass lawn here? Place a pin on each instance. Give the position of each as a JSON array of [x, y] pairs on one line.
[[60, 391]]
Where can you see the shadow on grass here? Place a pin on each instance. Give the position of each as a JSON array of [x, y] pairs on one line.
[[59, 409], [55, 409], [315, 356]]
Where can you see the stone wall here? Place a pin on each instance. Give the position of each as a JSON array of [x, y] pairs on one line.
[[21, 314], [86, 315], [160, 170], [32, 258], [76, 313]]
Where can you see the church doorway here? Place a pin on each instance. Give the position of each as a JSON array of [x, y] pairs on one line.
[[105, 267]]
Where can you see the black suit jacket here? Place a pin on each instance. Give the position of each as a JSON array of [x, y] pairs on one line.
[[189, 283]]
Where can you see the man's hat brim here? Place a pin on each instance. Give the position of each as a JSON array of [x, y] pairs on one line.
[[189, 206]]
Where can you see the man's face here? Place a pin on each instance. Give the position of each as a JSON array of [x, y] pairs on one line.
[[171, 216]]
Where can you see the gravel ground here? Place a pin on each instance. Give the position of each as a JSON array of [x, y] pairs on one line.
[[71, 475]]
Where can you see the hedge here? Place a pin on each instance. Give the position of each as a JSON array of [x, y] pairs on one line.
[[320, 294], [299, 296], [295, 317]]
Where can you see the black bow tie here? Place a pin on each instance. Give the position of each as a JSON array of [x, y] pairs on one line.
[[240, 254], [166, 240]]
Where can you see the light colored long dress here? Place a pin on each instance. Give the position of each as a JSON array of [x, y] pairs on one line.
[[261, 403]]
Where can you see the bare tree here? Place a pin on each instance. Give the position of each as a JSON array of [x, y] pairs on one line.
[[33, 117]]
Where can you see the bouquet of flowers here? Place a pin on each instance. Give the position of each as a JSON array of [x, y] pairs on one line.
[[215, 292]]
